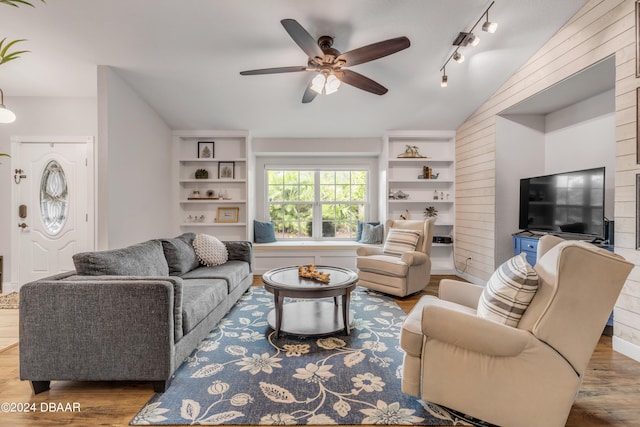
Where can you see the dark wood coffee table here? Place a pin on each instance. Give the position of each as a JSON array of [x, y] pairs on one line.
[[309, 317]]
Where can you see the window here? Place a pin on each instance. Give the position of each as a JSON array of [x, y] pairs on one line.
[[319, 204], [54, 198]]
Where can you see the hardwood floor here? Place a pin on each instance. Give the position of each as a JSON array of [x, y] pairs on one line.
[[609, 395]]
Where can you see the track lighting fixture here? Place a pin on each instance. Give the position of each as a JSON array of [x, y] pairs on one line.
[[443, 82], [488, 26], [467, 38], [6, 115]]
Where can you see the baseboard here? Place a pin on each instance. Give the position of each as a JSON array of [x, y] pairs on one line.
[[628, 349], [472, 279]]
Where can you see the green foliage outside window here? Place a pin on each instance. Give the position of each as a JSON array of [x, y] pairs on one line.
[[341, 196]]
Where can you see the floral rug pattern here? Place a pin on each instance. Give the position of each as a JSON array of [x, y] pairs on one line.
[[242, 374]]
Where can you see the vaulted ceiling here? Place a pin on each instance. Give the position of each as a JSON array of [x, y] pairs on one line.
[[184, 57]]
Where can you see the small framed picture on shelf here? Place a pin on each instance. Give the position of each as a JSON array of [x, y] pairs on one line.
[[226, 170], [205, 150], [227, 215]]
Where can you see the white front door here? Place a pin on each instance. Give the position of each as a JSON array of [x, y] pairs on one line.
[[54, 206]]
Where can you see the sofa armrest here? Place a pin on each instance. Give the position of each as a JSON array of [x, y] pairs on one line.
[[368, 250], [473, 333], [414, 258], [97, 330], [462, 293], [240, 250], [176, 282]]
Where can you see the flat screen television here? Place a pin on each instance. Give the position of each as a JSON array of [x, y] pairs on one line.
[[569, 202]]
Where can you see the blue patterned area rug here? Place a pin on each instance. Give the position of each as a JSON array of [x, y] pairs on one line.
[[242, 374]]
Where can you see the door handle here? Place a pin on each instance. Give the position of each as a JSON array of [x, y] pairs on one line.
[[22, 211], [22, 225]]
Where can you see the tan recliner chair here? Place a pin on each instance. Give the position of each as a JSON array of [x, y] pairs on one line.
[[524, 376], [394, 275]]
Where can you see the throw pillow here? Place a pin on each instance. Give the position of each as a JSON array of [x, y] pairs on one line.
[[400, 241], [263, 232], [372, 234], [360, 227], [210, 250], [509, 291], [180, 255]]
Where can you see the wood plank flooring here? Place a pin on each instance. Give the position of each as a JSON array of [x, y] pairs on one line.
[[609, 396]]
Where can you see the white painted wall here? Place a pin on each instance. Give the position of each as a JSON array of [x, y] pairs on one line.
[[583, 136], [134, 157], [520, 153], [37, 116]]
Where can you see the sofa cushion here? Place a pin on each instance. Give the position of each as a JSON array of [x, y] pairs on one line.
[[383, 264], [180, 255], [400, 241], [509, 291], [143, 259], [263, 232], [199, 298], [232, 272], [210, 250]]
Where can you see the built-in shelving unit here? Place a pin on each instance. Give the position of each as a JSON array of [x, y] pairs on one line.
[[400, 174], [217, 205]]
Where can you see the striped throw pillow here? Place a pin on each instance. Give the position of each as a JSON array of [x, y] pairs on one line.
[[509, 291], [400, 241]]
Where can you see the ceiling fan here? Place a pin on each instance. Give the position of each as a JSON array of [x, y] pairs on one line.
[[329, 64]]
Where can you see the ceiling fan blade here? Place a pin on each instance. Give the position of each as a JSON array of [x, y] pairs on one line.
[[273, 70], [302, 38], [374, 51], [309, 95], [361, 82]]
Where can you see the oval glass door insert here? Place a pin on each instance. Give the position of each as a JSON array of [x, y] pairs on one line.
[[54, 198]]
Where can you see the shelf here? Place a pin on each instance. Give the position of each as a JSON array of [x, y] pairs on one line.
[[213, 160], [419, 201], [419, 160], [228, 146], [215, 181], [212, 201], [213, 224], [421, 181]]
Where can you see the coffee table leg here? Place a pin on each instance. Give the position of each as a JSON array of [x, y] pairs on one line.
[[346, 298], [279, 300]]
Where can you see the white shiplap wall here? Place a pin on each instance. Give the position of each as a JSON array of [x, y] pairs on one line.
[[602, 28]]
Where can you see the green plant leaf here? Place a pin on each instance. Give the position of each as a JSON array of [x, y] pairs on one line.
[[5, 155]]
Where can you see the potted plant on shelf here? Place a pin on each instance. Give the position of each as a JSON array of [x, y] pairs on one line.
[[431, 212]]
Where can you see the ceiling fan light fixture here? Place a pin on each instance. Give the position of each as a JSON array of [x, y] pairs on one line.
[[331, 85], [317, 84], [325, 84], [6, 115]]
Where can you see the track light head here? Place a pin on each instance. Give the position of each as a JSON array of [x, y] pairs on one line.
[[490, 27], [458, 57], [443, 82]]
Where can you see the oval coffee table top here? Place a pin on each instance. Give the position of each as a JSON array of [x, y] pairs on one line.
[[287, 278]]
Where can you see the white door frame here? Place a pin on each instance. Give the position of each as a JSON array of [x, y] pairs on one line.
[[91, 209]]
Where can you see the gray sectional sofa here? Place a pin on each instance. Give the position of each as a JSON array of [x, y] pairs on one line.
[[127, 314]]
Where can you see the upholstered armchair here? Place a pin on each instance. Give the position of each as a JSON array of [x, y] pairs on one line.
[[395, 270], [528, 375]]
